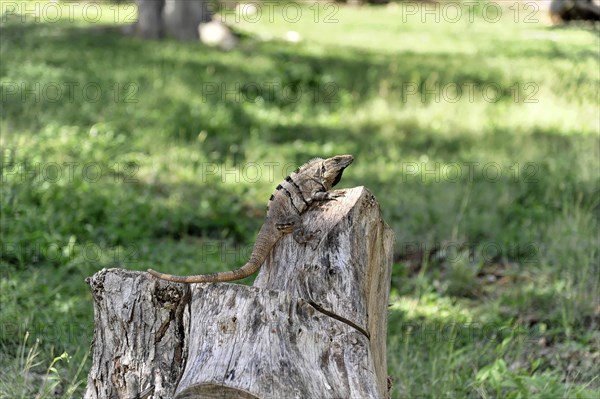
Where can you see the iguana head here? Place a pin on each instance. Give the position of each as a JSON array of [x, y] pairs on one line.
[[330, 170]]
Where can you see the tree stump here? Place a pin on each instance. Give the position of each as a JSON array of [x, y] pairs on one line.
[[140, 334], [312, 326]]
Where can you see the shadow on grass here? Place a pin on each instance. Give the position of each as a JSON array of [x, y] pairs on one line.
[[181, 89]]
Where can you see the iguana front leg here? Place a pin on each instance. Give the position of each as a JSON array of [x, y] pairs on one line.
[[293, 224], [298, 232], [300, 235], [288, 224], [303, 237], [326, 195]]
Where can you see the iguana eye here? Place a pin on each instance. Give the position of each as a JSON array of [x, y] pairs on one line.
[[323, 168]]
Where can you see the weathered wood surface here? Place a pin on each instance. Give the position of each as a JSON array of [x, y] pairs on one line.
[[313, 326], [140, 328], [348, 274], [268, 344]]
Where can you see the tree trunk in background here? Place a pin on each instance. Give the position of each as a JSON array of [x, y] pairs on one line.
[[182, 17], [176, 18], [149, 24], [569, 10]]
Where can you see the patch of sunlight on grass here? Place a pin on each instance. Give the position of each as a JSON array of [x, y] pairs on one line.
[[432, 308], [379, 28], [556, 116], [438, 117]]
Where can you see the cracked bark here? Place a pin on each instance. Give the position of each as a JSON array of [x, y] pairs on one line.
[[313, 325], [139, 334]]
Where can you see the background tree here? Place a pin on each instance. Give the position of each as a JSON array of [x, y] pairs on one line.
[[180, 19], [568, 10]]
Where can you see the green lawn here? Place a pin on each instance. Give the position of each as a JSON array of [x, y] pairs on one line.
[[479, 136]]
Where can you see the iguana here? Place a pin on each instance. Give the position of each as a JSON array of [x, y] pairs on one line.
[[307, 184]]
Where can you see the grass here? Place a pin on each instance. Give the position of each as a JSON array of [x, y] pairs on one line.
[[479, 139]]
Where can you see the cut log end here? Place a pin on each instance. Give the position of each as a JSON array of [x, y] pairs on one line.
[[211, 391]]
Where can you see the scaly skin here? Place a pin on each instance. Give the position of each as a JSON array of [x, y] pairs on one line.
[[309, 183]]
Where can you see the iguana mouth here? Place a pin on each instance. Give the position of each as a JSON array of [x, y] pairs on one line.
[[338, 177], [348, 160]]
